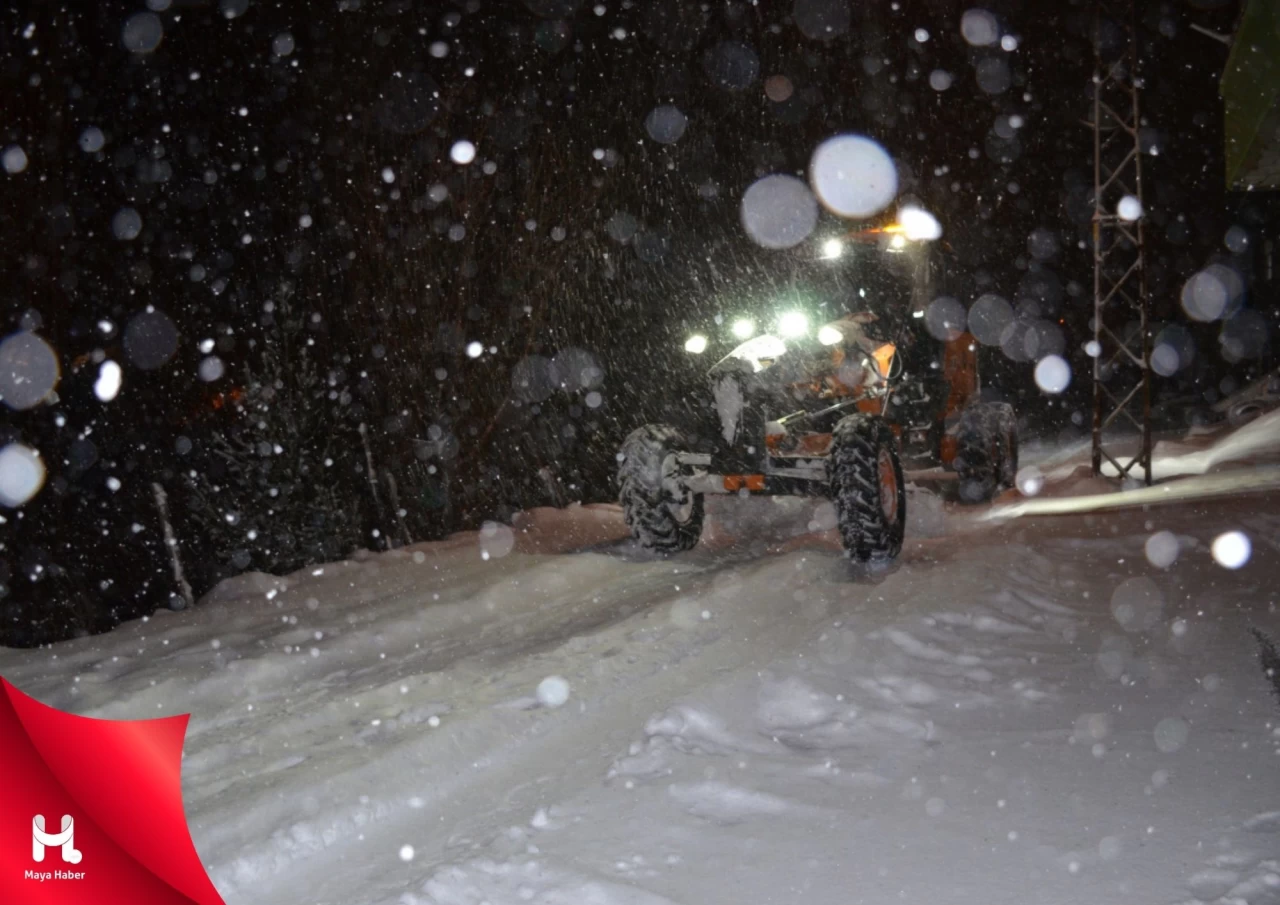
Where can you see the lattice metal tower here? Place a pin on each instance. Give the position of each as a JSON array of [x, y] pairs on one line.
[[1121, 333]]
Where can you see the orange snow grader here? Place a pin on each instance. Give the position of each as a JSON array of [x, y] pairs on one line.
[[835, 415]]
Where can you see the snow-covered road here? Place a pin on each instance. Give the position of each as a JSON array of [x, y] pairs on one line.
[[1026, 711]]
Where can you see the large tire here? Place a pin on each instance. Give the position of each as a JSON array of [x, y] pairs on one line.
[[663, 515], [864, 473], [986, 450]]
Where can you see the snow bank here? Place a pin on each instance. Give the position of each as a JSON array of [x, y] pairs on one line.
[[1199, 463], [1073, 499], [926, 513], [1069, 484], [760, 522], [1257, 441], [576, 527]]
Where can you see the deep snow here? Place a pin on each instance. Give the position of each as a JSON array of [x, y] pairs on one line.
[[1020, 711]]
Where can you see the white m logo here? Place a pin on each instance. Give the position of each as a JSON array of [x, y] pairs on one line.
[[65, 839]]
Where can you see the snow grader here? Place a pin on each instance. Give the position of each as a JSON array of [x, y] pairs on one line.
[[836, 414]]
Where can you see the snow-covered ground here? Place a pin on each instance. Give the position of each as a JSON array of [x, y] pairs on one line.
[[1022, 711]]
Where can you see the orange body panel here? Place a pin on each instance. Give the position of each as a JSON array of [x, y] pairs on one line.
[[960, 367], [950, 446], [736, 482], [884, 357]]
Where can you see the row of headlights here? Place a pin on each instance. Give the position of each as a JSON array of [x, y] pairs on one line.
[[915, 225], [791, 325]]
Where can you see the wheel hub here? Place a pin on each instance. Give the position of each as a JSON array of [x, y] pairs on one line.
[[677, 492], [888, 487]]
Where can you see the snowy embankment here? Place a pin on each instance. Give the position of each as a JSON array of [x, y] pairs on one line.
[[1257, 441], [1201, 465], [1029, 712], [1196, 452]]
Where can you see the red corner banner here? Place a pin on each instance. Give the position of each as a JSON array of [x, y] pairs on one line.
[[91, 810]]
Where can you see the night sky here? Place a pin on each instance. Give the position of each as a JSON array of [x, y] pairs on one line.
[[262, 213]]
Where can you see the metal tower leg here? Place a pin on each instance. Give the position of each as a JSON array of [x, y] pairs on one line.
[[1121, 333]]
